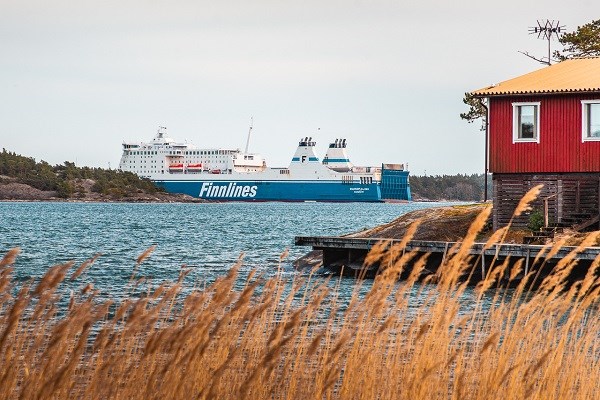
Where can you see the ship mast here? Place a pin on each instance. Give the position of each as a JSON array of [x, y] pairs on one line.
[[249, 132]]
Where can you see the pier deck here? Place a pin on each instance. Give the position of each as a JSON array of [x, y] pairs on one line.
[[342, 252], [502, 250]]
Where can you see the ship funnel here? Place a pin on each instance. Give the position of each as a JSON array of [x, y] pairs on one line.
[[336, 157], [305, 153]]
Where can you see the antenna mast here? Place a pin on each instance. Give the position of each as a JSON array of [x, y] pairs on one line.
[[545, 29], [249, 132]]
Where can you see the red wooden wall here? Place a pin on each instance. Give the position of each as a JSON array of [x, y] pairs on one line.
[[560, 148]]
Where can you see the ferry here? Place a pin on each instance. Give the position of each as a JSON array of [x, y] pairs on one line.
[[223, 174]]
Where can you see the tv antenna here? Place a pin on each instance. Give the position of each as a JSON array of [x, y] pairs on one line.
[[546, 29], [249, 132]]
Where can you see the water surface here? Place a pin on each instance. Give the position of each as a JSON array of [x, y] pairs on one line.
[[207, 237]]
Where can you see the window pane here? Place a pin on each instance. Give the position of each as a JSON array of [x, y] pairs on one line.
[[593, 120], [527, 122]]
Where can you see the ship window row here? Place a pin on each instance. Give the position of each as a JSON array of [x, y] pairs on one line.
[[366, 179], [205, 152], [178, 152], [210, 152]]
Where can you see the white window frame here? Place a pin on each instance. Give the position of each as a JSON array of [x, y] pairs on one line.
[[516, 138], [584, 121]]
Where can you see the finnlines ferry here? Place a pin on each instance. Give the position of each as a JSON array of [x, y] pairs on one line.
[[232, 175]]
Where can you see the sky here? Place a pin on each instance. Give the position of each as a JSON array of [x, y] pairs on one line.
[[79, 78]]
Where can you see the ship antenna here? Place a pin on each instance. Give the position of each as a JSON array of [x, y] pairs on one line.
[[249, 132]]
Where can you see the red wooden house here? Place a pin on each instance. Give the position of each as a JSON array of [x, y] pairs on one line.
[[544, 127]]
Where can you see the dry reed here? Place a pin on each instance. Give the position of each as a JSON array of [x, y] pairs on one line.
[[292, 340]]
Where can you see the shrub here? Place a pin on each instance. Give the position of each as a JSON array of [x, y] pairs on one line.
[[536, 221]]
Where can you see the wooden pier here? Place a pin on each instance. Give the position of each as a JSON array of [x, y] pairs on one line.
[[348, 253]]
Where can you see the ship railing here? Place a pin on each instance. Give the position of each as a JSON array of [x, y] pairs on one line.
[[366, 170], [397, 167]]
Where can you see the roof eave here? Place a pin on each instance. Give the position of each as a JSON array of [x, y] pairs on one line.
[[480, 94]]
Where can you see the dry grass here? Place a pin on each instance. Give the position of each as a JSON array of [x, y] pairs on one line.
[[295, 340]]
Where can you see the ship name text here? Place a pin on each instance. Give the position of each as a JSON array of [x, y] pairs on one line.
[[230, 190]]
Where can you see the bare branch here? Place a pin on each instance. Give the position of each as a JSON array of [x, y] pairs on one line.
[[540, 60]]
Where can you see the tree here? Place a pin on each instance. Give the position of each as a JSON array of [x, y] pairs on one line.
[[64, 178], [477, 108], [64, 189], [584, 42]]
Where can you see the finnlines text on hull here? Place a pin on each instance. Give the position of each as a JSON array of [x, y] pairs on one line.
[[231, 190]]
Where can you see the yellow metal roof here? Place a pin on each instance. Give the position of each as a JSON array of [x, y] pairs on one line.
[[575, 75]]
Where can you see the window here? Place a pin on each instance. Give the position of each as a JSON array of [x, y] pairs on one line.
[[590, 123], [526, 122]]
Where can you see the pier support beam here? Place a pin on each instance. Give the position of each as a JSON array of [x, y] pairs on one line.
[[350, 253]]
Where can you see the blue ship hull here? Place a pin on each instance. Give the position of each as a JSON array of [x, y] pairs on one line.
[[222, 190]]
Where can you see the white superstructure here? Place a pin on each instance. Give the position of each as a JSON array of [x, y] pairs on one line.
[[163, 155]]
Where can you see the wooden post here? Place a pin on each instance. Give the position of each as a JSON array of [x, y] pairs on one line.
[[546, 212], [578, 197], [445, 252], [496, 203], [559, 201], [482, 264]]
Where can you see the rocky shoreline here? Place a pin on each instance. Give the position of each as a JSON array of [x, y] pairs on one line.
[[19, 192]]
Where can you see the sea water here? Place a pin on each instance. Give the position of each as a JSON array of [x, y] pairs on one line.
[[208, 238]]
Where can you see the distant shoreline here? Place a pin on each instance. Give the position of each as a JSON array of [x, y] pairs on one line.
[[141, 201], [20, 192]]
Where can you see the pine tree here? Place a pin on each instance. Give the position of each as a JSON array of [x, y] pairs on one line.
[[584, 42]]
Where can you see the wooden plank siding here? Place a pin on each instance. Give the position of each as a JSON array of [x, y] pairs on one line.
[[568, 195], [560, 150]]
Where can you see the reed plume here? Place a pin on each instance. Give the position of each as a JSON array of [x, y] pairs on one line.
[[294, 336]]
